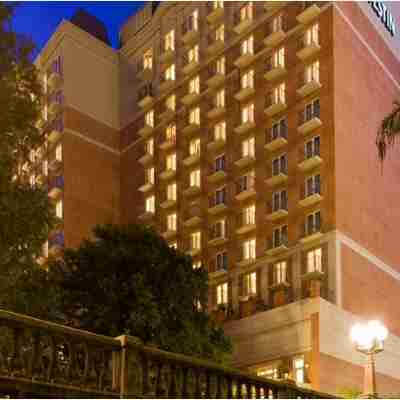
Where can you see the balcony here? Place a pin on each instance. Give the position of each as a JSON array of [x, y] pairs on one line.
[[277, 141], [216, 175], [56, 244], [309, 121], [310, 11], [190, 98], [56, 186], [245, 261], [216, 111], [245, 59], [54, 130], [277, 245], [168, 143], [216, 78], [277, 179], [311, 233], [274, 70], [168, 174], [166, 83], [55, 165], [275, 106], [147, 217], [146, 187], [192, 191], [245, 127], [215, 12], [146, 131], [167, 54], [214, 44], [190, 31], [277, 210], [217, 236], [245, 161], [243, 20], [310, 160], [216, 144], [144, 72], [244, 93], [245, 187], [193, 252], [307, 49], [189, 65], [271, 6], [308, 87], [193, 217], [167, 114], [245, 224], [274, 36], [55, 104], [311, 196], [190, 129], [145, 96], [169, 203], [191, 159], [169, 234], [216, 206]]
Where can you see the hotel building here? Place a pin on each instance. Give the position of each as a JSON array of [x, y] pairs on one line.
[[244, 133]]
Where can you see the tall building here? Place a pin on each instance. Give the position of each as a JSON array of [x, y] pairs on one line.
[[244, 133]]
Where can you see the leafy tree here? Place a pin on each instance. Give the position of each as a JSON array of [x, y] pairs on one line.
[[26, 215], [389, 131], [129, 281]]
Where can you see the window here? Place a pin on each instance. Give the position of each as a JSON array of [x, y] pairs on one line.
[[280, 272], [194, 116], [314, 260], [195, 178], [171, 191], [246, 12], [312, 147], [148, 59], [250, 284], [311, 73], [222, 294], [313, 185], [45, 249], [277, 23], [269, 373], [45, 167], [194, 85], [220, 33], [248, 113], [169, 73], [279, 94], [173, 245], [196, 264], [218, 230], [278, 58], [249, 215], [312, 110], [220, 66], [194, 146], [279, 200], [171, 161], [170, 102], [220, 98], [247, 46], [149, 147], [279, 236], [170, 133], [149, 118], [247, 79], [249, 249], [193, 54], [218, 4], [279, 165], [279, 129], [313, 223], [171, 222], [249, 147], [220, 131], [32, 180], [219, 163], [169, 41], [192, 21], [195, 240], [150, 204], [220, 196], [311, 35], [221, 261], [298, 366], [149, 175], [32, 156], [246, 182]]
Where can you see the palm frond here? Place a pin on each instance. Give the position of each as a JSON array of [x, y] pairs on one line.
[[388, 132]]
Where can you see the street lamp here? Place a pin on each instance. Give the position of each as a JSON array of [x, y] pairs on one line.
[[369, 338]]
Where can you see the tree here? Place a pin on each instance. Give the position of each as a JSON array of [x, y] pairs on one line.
[[129, 281], [26, 215], [389, 131]]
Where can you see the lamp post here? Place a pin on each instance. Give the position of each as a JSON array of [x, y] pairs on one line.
[[368, 339]]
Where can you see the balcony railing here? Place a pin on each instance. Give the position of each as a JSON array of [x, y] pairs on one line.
[[145, 95], [307, 47], [276, 242], [274, 69], [310, 190], [243, 17], [275, 103], [244, 220], [275, 32], [309, 10], [308, 114], [215, 11]]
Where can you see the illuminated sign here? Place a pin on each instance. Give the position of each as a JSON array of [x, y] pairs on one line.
[[384, 15]]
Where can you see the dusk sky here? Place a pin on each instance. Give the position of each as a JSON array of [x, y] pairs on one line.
[[40, 19]]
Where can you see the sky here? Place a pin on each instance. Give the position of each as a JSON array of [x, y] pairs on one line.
[[40, 19]]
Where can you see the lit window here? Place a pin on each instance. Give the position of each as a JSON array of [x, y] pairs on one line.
[[171, 192], [148, 59], [45, 167], [59, 152], [194, 85], [218, 4], [279, 94], [149, 175], [32, 180], [277, 23], [195, 240], [311, 35], [149, 118], [220, 33], [194, 116], [45, 249], [193, 54], [298, 365], [194, 146], [170, 102], [59, 209], [150, 204], [220, 131], [192, 21], [246, 12], [196, 264], [170, 133], [249, 147], [311, 73], [220, 98], [220, 66], [278, 58], [250, 284], [169, 41], [280, 270], [173, 245], [169, 73], [195, 178], [249, 249], [249, 215], [149, 146], [32, 156], [269, 373], [314, 260], [171, 222], [247, 80], [247, 46], [171, 162], [248, 113], [222, 294]]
